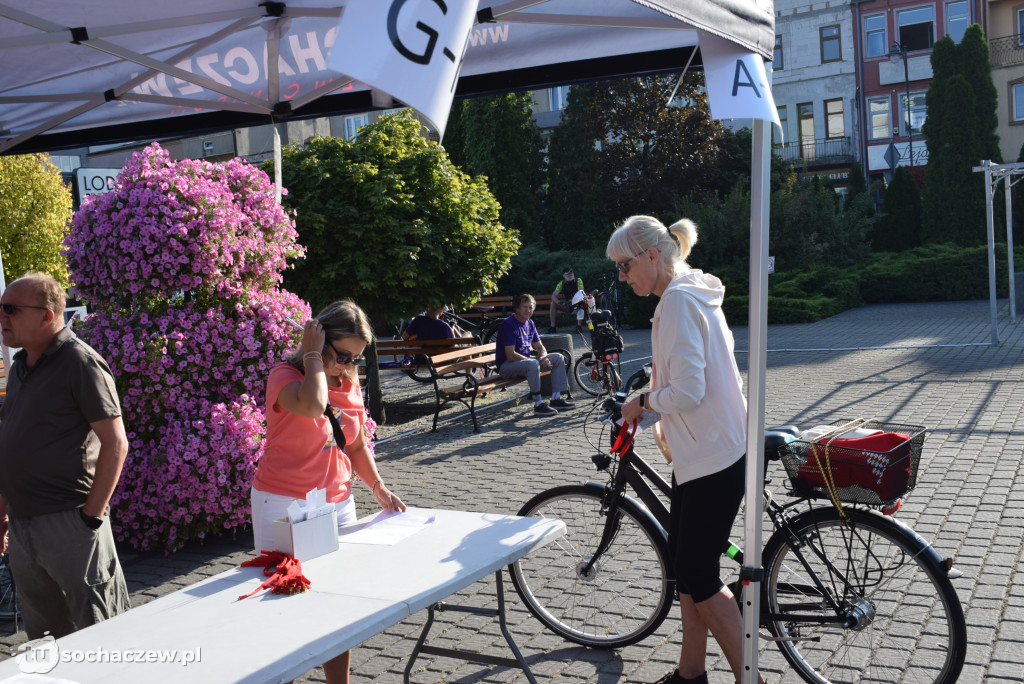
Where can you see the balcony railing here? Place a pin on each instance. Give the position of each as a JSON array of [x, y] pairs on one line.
[[821, 151], [1007, 51]]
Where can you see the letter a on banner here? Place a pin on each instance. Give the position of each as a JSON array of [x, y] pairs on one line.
[[736, 80], [410, 49]]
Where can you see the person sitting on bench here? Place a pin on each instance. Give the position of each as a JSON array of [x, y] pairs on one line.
[[429, 326], [561, 298], [516, 336]]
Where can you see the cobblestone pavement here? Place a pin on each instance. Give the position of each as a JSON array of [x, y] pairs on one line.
[[927, 364]]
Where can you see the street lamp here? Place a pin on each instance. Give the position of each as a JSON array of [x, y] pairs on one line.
[[899, 52]]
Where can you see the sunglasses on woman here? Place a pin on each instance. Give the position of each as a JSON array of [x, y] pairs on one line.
[[624, 265], [343, 357]]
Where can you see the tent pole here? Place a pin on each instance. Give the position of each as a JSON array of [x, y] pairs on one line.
[[277, 164], [757, 361]]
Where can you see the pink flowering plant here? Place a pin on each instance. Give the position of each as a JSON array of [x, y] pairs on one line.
[[181, 266]]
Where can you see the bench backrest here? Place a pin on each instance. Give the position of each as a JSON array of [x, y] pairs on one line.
[[499, 306], [427, 347], [461, 359]]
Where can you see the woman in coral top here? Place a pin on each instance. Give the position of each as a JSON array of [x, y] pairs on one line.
[[301, 452]]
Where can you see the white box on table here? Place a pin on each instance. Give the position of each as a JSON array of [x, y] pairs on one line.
[[307, 539]]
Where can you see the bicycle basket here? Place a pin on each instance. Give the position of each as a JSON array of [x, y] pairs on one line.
[[604, 340], [873, 470]]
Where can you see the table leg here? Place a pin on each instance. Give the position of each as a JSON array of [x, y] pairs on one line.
[[470, 656]]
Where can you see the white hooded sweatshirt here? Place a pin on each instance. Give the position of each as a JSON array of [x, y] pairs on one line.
[[697, 387]]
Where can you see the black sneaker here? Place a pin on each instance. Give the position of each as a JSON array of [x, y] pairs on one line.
[[544, 410], [552, 330], [561, 404]]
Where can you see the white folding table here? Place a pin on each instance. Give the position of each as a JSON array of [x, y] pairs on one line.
[[356, 593]]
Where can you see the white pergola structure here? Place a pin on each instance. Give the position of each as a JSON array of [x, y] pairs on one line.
[[994, 173]]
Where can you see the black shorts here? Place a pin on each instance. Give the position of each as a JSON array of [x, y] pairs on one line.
[[702, 514]]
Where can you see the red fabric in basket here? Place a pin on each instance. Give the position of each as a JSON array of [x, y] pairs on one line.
[[879, 462]]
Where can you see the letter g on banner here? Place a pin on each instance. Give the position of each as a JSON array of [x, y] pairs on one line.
[[396, 40], [410, 49]]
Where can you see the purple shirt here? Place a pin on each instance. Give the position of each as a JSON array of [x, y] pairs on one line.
[[520, 335], [427, 328]]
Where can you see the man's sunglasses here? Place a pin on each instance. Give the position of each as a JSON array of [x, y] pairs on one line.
[[343, 357], [11, 309]]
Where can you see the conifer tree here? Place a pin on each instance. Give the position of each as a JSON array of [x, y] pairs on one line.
[[976, 66], [900, 226], [954, 200]]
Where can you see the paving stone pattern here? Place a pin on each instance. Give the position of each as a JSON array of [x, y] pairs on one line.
[[891, 362]]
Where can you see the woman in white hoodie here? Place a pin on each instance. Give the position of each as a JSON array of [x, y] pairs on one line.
[[696, 387]]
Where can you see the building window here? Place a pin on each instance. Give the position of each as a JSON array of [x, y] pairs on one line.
[[354, 123], [918, 112], [957, 19], [780, 135], [805, 114], [878, 121], [876, 36], [915, 28], [1020, 27], [777, 58], [559, 98], [831, 47], [835, 126], [1018, 102]]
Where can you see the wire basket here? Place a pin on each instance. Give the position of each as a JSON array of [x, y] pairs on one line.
[[833, 467]]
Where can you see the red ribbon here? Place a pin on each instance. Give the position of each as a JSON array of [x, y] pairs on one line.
[[284, 571]]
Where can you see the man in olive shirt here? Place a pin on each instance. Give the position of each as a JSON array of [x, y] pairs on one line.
[[62, 445]]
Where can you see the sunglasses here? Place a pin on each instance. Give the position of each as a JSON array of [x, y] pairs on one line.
[[344, 357], [624, 265], [11, 309]]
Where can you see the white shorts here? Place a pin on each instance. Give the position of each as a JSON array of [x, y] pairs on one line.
[[266, 508]]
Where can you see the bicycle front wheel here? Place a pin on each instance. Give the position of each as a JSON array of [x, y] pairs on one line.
[[623, 596], [589, 375], [901, 618]]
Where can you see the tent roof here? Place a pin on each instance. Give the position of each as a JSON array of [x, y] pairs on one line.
[[76, 73]]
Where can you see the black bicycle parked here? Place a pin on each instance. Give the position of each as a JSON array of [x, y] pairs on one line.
[[848, 593]]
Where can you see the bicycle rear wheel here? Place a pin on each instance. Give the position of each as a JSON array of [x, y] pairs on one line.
[[905, 623], [589, 375], [627, 592]]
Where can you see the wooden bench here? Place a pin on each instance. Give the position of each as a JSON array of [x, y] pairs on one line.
[[474, 372], [492, 306], [407, 355]]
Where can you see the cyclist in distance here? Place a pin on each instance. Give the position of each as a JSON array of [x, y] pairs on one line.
[[697, 390], [561, 298]]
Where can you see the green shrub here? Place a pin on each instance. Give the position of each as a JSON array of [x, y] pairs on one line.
[[537, 271]]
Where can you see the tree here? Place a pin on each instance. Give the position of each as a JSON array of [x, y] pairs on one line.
[[181, 265], [954, 200], [647, 152], [900, 225], [389, 221], [497, 137], [35, 210], [976, 66], [574, 205]]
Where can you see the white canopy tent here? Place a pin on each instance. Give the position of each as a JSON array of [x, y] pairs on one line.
[[74, 74]]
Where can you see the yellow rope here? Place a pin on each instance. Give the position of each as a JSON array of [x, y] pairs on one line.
[[826, 470]]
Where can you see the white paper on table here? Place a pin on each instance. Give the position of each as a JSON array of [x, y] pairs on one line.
[[384, 529]]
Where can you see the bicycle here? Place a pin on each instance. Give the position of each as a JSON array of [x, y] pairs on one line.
[[845, 593], [599, 371], [609, 296]]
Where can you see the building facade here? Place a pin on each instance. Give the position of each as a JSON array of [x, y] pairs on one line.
[[894, 47], [814, 83], [1004, 26]]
